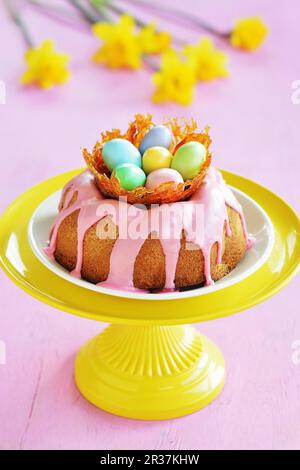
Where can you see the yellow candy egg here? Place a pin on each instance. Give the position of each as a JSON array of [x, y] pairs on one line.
[[155, 158]]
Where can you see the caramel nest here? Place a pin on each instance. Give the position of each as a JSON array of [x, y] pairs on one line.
[[165, 193]]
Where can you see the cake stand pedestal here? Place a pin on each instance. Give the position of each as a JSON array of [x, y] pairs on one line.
[[153, 372], [149, 364]]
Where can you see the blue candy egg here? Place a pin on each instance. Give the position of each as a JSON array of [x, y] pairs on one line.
[[158, 136], [118, 151]]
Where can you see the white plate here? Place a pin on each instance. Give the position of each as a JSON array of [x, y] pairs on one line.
[[258, 224]]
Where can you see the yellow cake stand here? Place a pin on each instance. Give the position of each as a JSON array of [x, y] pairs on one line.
[[149, 364]]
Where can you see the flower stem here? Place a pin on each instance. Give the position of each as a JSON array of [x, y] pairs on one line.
[[100, 9], [90, 15], [152, 65], [61, 14], [16, 17], [171, 13], [120, 11]]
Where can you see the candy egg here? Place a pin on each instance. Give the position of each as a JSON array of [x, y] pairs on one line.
[[188, 159], [130, 176], [155, 158], [118, 151], [158, 136], [163, 175]]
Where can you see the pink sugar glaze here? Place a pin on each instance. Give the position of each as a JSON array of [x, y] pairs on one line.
[[213, 195], [84, 185]]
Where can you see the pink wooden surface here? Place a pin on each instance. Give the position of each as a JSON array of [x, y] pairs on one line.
[[255, 128]]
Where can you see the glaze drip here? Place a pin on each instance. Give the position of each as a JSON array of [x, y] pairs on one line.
[[212, 198]]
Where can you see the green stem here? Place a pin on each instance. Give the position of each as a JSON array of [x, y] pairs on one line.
[[88, 14], [120, 11], [150, 63], [68, 18], [16, 17], [99, 8], [55, 9], [171, 13]]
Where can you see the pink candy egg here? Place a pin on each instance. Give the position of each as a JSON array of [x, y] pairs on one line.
[[163, 175]]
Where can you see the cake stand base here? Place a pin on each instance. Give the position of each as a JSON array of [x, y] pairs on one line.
[[150, 372]]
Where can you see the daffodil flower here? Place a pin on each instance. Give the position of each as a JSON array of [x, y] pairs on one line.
[[248, 33], [45, 66], [120, 48], [209, 62], [175, 81], [153, 41]]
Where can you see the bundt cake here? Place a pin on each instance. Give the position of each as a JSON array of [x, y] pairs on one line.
[[194, 235], [85, 241]]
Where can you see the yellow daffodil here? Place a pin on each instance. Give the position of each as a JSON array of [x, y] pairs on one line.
[[249, 33], [153, 41], [120, 48], [45, 66], [209, 62], [175, 80]]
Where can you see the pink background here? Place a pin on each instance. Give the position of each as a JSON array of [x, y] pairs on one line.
[[255, 128]]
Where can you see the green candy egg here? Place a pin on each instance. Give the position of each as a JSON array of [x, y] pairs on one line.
[[188, 159], [129, 175]]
